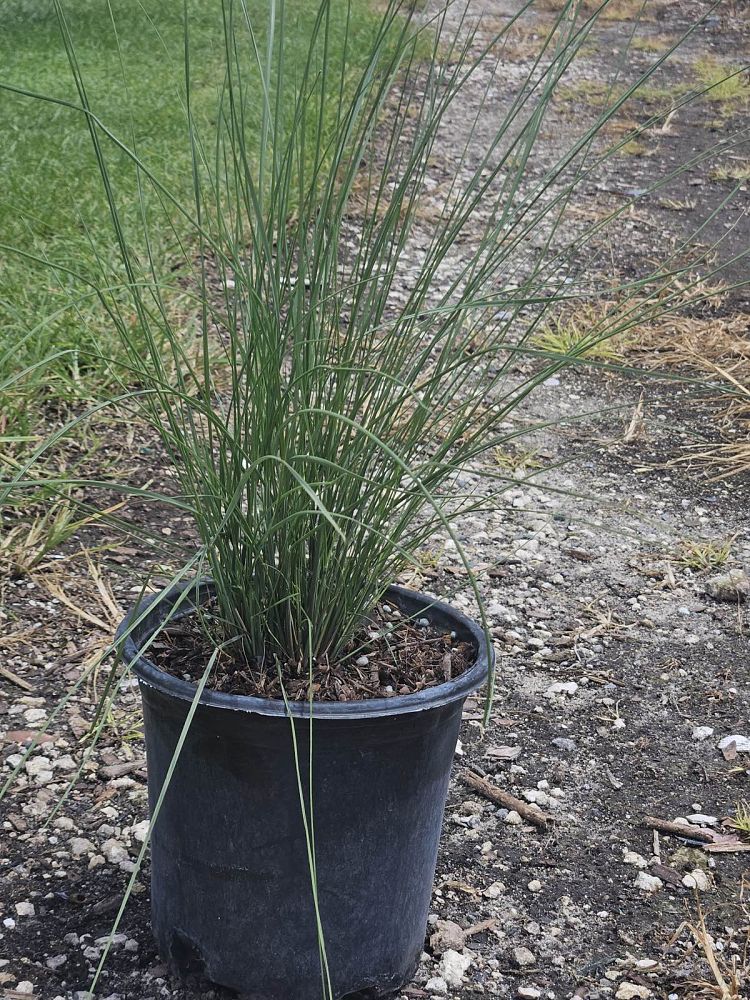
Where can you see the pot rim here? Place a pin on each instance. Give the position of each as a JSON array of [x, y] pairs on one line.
[[436, 696]]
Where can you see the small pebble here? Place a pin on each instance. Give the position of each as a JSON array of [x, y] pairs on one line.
[[696, 879], [524, 957], [563, 743], [649, 883], [701, 733]]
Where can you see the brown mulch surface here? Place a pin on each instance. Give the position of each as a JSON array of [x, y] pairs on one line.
[[389, 655]]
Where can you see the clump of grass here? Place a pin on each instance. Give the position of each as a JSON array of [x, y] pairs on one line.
[[705, 555], [25, 545], [725, 976], [583, 333], [651, 43], [741, 819], [516, 460], [729, 85], [633, 148], [736, 171], [593, 92], [27, 541], [716, 349], [664, 96]]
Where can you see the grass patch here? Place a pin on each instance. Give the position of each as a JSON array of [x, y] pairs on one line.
[[515, 460], [53, 204], [739, 171], [595, 92], [584, 334], [650, 43], [615, 10], [741, 819], [730, 85], [662, 96], [705, 555], [633, 148]]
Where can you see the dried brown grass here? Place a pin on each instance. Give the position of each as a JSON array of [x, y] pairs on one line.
[[718, 975], [718, 349]]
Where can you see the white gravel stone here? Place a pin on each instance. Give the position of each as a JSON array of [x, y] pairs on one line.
[[649, 883], [568, 688], [741, 743], [140, 830], [33, 715], [436, 985], [702, 819], [536, 796], [80, 846], [529, 992], [55, 961], [632, 991], [25, 909], [563, 743], [64, 763], [535, 885], [696, 879], [513, 818], [494, 891], [114, 852], [453, 966], [524, 957], [40, 769], [632, 858], [701, 733], [25, 988]]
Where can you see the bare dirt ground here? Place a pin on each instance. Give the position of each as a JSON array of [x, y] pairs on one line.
[[621, 665]]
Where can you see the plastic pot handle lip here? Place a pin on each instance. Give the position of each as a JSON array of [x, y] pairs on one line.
[[432, 697]]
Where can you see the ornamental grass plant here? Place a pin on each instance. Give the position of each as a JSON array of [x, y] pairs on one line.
[[317, 406], [332, 359]]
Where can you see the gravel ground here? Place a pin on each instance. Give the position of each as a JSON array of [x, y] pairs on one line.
[[622, 676]]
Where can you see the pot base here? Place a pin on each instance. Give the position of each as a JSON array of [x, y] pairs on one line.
[[231, 890]]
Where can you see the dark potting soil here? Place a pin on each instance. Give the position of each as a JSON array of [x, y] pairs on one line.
[[403, 656]]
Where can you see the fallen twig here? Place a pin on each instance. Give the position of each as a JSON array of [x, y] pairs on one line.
[[525, 810], [483, 925], [679, 829], [15, 679], [710, 840]]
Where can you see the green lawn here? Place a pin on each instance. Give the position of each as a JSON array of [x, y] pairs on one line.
[[52, 204]]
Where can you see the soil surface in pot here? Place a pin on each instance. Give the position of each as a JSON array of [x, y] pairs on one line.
[[389, 655]]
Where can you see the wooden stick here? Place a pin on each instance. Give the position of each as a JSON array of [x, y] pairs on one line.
[[484, 925], [679, 829], [531, 813], [15, 679]]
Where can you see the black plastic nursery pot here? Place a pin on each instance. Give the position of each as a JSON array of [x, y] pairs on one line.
[[231, 890]]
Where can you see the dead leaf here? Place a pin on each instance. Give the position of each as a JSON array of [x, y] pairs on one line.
[[27, 735], [503, 753]]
